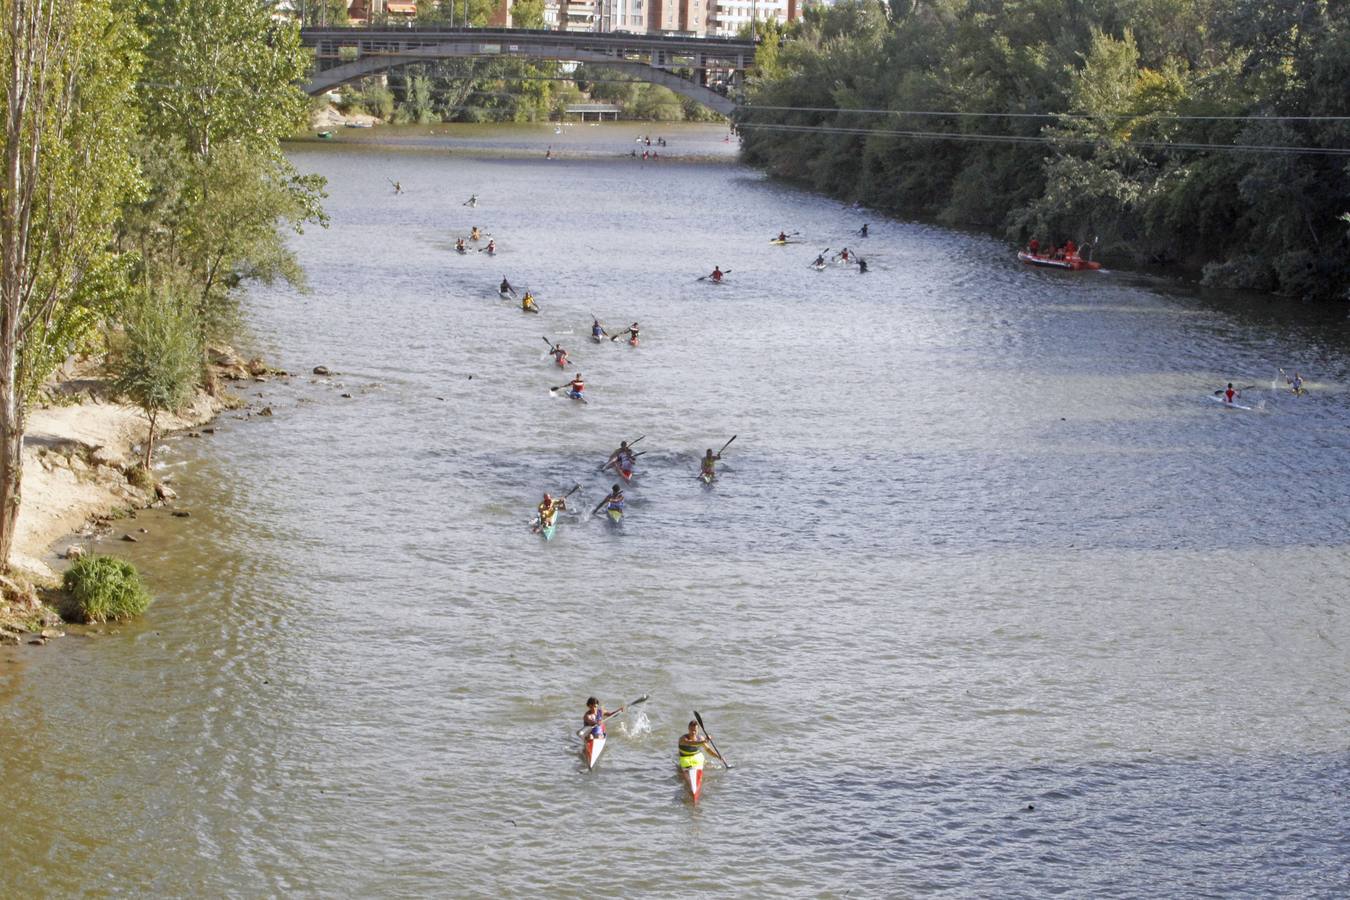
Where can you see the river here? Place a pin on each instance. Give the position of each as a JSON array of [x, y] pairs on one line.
[[991, 599]]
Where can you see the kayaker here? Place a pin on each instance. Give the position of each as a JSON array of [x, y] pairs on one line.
[[598, 330], [575, 388], [631, 333], [505, 287], [623, 458], [716, 274], [472, 201], [843, 255], [709, 463], [475, 234], [491, 247], [559, 355], [1296, 383], [549, 508], [1034, 247], [862, 232], [398, 188], [459, 246], [1070, 249], [527, 303], [596, 716], [1230, 393], [782, 237], [820, 261], [691, 746], [613, 501], [862, 266]]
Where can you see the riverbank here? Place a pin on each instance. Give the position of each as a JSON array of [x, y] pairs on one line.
[[81, 465]]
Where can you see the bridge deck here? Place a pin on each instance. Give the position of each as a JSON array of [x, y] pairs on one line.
[[662, 51]]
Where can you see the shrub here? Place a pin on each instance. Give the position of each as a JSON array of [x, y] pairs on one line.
[[104, 589]]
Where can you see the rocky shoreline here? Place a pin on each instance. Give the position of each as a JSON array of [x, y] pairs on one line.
[[81, 465]]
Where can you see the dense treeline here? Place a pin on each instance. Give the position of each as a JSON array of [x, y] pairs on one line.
[[1069, 120], [144, 184]]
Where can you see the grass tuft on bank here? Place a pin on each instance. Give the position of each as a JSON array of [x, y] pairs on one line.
[[103, 589]]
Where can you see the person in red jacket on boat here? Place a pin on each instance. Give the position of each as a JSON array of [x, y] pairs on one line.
[[1070, 249], [576, 388], [1230, 393], [716, 273], [1034, 247]]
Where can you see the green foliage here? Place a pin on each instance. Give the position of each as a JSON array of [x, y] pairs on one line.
[[103, 589], [1109, 85]]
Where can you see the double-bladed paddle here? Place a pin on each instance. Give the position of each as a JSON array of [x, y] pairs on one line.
[[706, 277], [585, 728], [699, 719]]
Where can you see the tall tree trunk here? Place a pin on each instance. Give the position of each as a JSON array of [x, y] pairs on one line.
[[150, 441], [11, 444]]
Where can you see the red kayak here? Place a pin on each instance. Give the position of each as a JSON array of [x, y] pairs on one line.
[[633, 341], [1075, 263], [626, 474], [561, 361]]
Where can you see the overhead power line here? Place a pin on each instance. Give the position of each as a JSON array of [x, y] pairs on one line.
[[1047, 115], [1040, 139]]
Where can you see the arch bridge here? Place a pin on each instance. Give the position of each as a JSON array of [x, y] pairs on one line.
[[707, 70]]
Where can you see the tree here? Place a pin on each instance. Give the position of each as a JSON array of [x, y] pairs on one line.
[[158, 359], [68, 68]]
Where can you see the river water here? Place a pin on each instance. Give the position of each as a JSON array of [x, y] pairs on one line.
[[991, 600]]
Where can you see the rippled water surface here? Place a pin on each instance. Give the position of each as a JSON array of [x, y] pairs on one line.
[[992, 600]]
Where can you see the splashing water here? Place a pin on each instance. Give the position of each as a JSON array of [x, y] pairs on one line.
[[638, 724]]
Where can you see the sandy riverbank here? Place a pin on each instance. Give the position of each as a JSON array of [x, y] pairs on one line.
[[80, 451]]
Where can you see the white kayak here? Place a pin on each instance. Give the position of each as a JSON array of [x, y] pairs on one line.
[[1233, 405], [591, 749], [692, 778]]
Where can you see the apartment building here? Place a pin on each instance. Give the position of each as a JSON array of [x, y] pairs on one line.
[[732, 15]]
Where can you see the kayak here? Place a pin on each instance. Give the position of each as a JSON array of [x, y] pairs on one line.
[[615, 514], [596, 338], [561, 361], [633, 341], [591, 749], [575, 395], [777, 243], [1228, 405], [548, 530], [819, 267], [692, 778], [529, 309], [461, 250], [1074, 263], [505, 295], [626, 474], [708, 477]]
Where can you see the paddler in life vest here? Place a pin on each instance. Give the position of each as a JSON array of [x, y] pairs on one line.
[[623, 458], [613, 501], [716, 273], [1230, 393], [505, 287], [548, 508], [1034, 247], [820, 261], [596, 716], [844, 255], [527, 303], [475, 234], [782, 237], [597, 330], [691, 746], [631, 333], [491, 247], [459, 246], [1296, 384], [1070, 249], [559, 355], [709, 464], [575, 388]]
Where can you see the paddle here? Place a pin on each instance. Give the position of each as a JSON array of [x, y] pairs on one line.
[[699, 719], [727, 444], [1245, 387], [706, 277], [585, 728]]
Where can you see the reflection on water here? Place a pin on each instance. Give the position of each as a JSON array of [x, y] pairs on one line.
[[981, 543]]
